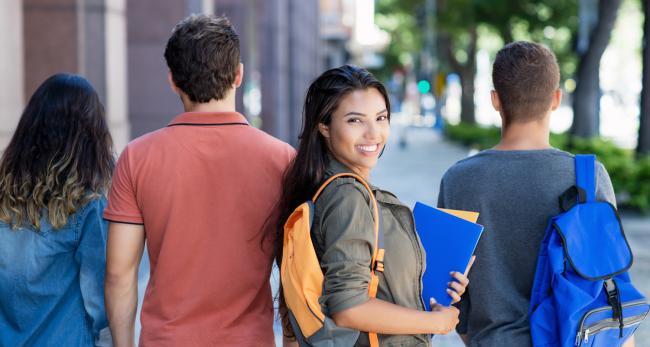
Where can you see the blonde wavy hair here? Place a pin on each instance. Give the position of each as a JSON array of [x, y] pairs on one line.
[[60, 156]]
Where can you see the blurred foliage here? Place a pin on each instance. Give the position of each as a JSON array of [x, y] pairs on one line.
[[630, 176], [397, 18], [552, 22], [641, 187]]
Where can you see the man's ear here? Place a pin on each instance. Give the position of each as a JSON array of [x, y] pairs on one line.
[[496, 103], [239, 75], [324, 130], [557, 99], [172, 85]]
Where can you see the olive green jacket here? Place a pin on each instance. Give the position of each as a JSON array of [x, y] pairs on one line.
[[343, 236]]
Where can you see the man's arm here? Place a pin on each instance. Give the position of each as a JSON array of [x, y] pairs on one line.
[[123, 254]]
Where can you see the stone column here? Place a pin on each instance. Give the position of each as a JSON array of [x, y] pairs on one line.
[[289, 60], [11, 68], [117, 91], [274, 67], [152, 103], [200, 6], [51, 39], [304, 59], [240, 15], [102, 47], [85, 37]]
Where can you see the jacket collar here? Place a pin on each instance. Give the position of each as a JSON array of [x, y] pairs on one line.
[[209, 119], [335, 167]]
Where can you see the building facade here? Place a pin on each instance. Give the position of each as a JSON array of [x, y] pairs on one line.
[[118, 45]]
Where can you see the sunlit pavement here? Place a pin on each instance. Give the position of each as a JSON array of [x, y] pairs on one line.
[[413, 173]]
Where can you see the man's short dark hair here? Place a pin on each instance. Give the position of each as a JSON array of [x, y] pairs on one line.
[[203, 57], [525, 76]]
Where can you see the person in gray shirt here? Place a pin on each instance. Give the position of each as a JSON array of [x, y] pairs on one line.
[[515, 187]]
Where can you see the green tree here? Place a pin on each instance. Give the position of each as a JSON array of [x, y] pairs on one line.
[[396, 17], [587, 94], [457, 46], [550, 22], [458, 24]]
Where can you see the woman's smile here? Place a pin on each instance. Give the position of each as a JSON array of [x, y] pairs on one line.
[[369, 150]]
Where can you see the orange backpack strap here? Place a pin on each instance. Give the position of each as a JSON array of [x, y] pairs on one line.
[[377, 262]]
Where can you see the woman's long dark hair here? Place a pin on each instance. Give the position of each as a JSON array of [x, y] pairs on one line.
[[60, 156], [306, 172]]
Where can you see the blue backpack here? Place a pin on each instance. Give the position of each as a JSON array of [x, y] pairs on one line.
[[582, 294]]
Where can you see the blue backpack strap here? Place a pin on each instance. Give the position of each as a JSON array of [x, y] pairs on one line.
[[586, 175]]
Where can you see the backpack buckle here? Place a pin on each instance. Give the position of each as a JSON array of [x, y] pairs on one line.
[[572, 196], [379, 262], [614, 300]]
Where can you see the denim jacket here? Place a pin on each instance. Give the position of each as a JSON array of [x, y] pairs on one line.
[[52, 281]]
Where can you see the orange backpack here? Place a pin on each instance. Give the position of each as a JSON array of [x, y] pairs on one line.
[[302, 277]]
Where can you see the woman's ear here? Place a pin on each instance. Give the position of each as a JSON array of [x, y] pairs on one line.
[[324, 130]]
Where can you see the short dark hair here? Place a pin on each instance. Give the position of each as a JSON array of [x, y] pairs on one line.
[[203, 57], [525, 76]]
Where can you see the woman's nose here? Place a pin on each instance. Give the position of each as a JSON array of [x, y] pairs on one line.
[[373, 130]]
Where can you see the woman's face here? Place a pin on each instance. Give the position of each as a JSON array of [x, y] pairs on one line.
[[358, 130]]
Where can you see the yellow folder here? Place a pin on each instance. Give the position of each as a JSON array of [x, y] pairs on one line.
[[466, 215]]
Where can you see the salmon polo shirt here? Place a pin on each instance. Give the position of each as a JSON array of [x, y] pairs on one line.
[[203, 187]]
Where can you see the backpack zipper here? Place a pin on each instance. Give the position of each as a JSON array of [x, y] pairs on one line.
[[602, 326], [607, 324]]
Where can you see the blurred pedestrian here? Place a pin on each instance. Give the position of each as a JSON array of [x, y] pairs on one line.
[[53, 179]]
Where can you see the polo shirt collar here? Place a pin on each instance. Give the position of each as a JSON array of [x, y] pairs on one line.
[[209, 118]]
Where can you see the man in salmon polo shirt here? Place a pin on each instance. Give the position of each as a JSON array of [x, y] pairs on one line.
[[199, 192]]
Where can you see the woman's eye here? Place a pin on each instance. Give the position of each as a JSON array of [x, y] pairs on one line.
[[382, 118], [354, 120]]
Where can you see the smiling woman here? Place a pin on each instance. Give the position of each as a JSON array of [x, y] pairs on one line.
[[346, 125], [358, 130]]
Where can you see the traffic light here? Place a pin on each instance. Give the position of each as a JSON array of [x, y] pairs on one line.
[[424, 86]]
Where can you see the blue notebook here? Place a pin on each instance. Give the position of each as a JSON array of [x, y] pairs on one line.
[[449, 242]]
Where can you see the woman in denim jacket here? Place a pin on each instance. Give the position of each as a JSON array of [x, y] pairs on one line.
[[53, 178]]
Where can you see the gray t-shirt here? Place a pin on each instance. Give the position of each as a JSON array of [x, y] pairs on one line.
[[515, 192]]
